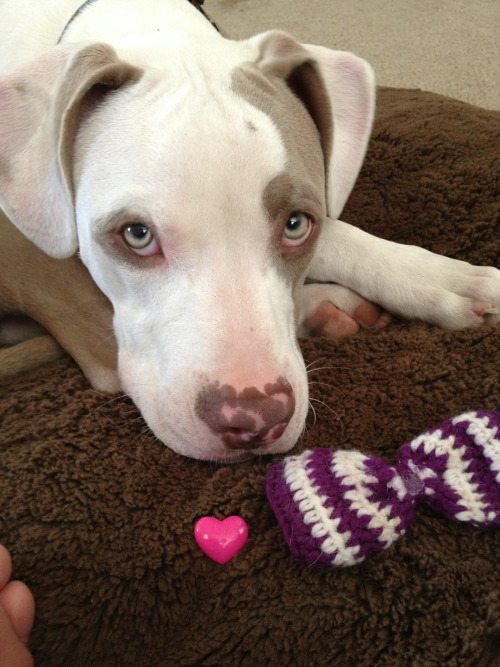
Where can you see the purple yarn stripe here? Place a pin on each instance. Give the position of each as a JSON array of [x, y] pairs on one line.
[[463, 487], [483, 460], [346, 502], [393, 493], [337, 544], [423, 452], [338, 507], [282, 497]]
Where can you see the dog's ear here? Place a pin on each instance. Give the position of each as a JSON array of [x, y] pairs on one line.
[[40, 107], [338, 90]]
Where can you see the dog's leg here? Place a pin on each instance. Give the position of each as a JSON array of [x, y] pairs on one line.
[[24, 345], [406, 280], [28, 354], [62, 297]]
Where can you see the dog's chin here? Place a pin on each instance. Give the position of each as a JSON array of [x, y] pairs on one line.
[[214, 450], [217, 453], [232, 458], [226, 456], [242, 456]]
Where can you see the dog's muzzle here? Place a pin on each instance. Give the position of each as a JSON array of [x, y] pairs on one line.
[[250, 418]]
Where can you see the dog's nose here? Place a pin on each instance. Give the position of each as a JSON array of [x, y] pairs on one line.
[[249, 418]]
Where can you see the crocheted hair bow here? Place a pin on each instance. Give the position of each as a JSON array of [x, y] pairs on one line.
[[337, 508]]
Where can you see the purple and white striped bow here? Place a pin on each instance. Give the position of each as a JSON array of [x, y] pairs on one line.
[[337, 508]]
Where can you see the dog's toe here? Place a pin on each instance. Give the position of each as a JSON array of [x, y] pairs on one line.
[[369, 315], [327, 320], [331, 322], [336, 312]]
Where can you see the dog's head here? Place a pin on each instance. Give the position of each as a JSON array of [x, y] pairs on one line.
[[195, 183]]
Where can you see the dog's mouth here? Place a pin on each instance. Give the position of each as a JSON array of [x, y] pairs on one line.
[[239, 439], [233, 457]]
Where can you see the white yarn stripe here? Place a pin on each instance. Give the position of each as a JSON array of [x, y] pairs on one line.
[[359, 497], [432, 442], [313, 510], [486, 437], [399, 486], [455, 475]]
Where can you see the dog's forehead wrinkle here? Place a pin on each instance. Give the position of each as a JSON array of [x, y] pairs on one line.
[[185, 178]]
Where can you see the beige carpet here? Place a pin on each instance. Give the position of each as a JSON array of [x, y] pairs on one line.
[[450, 47]]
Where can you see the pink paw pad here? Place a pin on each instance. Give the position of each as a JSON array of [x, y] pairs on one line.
[[484, 311]]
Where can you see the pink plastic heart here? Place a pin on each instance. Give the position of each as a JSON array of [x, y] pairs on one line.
[[221, 540]]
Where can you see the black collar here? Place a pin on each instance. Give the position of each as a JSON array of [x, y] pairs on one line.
[[198, 5], [87, 3]]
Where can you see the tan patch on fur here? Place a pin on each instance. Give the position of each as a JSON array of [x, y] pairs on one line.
[[41, 103], [288, 89], [61, 296]]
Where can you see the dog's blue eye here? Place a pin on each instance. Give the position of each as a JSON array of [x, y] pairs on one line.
[[137, 236], [297, 229], [140, 239]]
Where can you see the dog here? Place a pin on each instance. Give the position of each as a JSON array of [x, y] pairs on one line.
[[171, 203]]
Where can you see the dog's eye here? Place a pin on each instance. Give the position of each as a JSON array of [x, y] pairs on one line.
[[297, 229], [140, 239]]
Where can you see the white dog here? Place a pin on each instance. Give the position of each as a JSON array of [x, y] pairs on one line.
[[200, 180]]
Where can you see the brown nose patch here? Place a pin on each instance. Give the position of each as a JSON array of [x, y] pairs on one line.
[[224, 409]]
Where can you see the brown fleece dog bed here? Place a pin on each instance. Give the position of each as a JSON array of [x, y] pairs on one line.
[[99, 517]]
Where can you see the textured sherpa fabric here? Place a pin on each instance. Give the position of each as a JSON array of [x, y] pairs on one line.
[[338, 507], [99, 517]]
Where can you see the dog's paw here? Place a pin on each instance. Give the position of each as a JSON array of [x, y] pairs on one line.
[[335, 312], [454, 294]]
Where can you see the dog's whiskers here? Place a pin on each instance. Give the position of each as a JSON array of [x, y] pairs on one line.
[[314, 414], [329, 407], [333, 368], [119, 397], [305, 428], [145, 433], [309, 368]]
